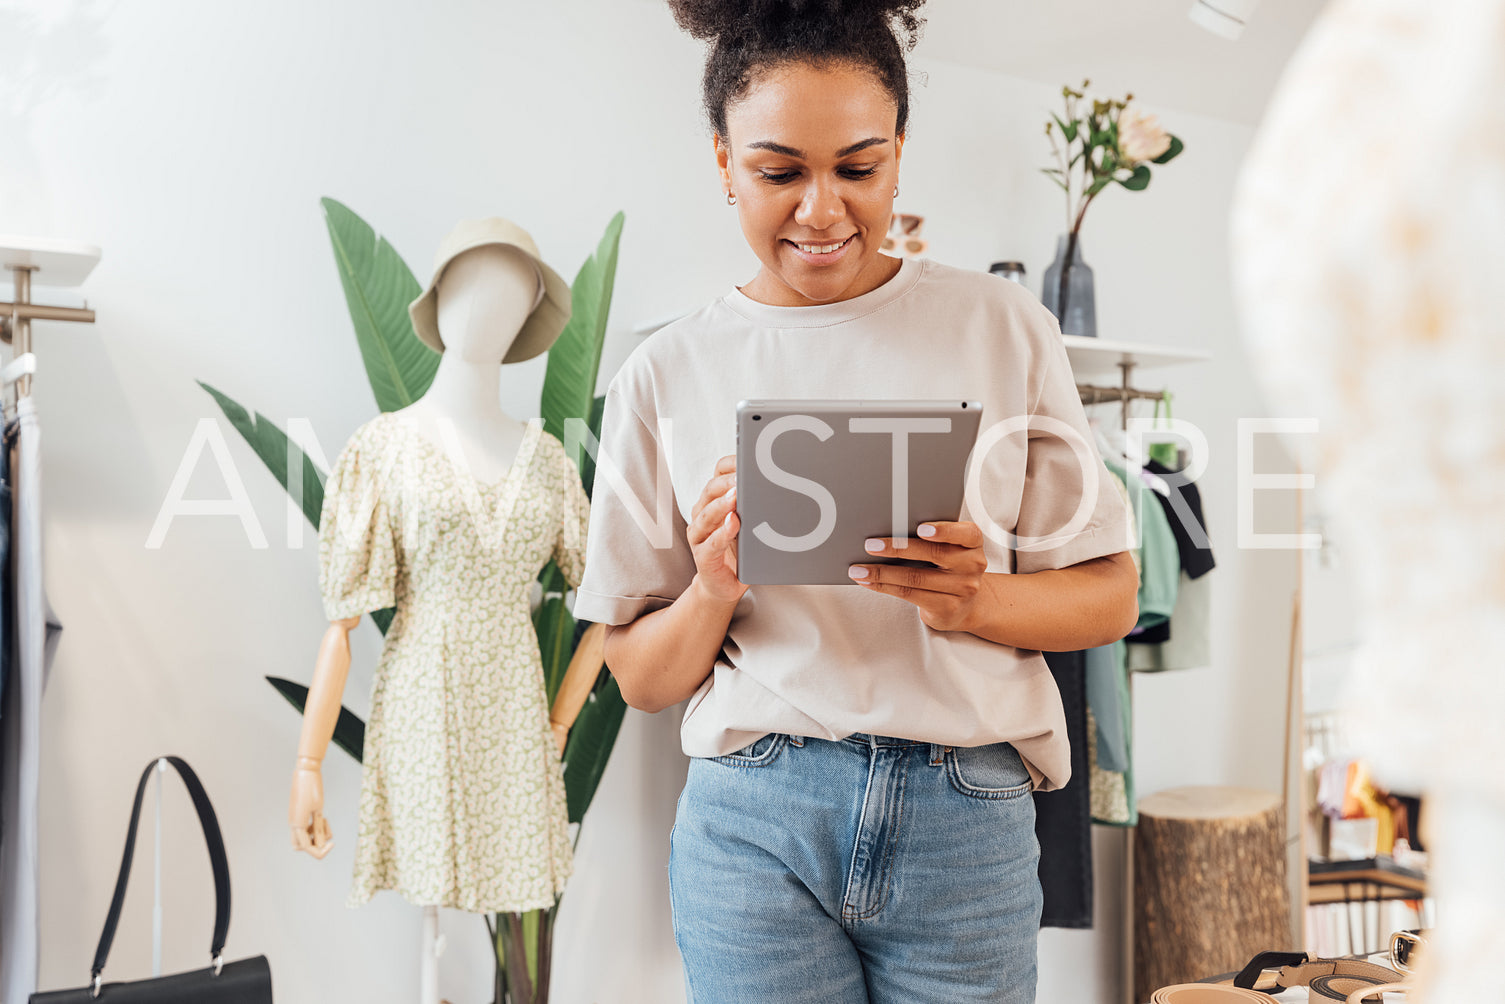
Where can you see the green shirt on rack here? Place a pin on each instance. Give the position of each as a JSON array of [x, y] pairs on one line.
[[1160, 561]]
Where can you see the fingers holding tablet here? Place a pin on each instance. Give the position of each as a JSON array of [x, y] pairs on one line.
[[724, 478], [945, 593], [951, 545], [712, 533]]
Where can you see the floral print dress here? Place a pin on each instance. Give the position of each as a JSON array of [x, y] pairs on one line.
[[462, 793]]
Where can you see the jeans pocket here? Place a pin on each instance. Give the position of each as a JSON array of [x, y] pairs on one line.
[[992, 771], [758, 753]]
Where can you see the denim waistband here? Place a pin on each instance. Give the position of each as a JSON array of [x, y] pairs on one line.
[[870, 740]]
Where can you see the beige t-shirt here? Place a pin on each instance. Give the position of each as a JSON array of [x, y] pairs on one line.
[[829, 660]]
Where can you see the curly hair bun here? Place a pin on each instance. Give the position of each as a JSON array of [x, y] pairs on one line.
[[747, 36], [710, 19]]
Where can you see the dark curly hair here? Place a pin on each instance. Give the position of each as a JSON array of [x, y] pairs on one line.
[[750, 36]]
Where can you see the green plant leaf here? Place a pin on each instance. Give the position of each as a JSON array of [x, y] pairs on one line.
[[1099, 185], [1069, 131], [556, 636], [1056, 180], [378, 288], [1137, 181], [271, 444], [281, 455], [530, 944], [588, 462], [1176, 147], [569, 383], [349, 730], [552, 579], [590, 742]]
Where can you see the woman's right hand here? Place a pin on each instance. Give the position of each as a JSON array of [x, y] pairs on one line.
[[713, 533]]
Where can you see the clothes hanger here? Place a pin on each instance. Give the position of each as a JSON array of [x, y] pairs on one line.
[[1110, 443], [23, 365]]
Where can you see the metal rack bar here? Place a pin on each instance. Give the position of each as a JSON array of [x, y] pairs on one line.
[[1124, 393]]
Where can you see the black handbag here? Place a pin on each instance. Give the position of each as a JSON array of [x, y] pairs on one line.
[[248, 981]]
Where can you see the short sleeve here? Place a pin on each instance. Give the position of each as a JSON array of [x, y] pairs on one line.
[[357, 542], [638, 556], [574, 517], [1070, 510]]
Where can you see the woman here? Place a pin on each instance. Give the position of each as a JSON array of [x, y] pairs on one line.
[[856, 824]]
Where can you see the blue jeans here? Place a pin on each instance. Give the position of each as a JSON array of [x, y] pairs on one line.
[[868, 870]]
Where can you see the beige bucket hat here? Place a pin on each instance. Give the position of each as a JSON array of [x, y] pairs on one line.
[[550, 312]]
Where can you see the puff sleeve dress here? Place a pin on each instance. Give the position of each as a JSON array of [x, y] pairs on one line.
[[462, 793]]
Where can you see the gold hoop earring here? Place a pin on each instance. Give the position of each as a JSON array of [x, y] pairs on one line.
[[731, 199], [896, 191]]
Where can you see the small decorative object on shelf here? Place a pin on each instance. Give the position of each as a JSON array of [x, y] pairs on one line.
[[904, 237], [1009, 270], [1110, 143]]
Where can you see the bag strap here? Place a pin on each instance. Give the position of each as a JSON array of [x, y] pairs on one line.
[[217, 860], [1267, 960]]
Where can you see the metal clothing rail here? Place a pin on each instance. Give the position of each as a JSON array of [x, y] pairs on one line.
[[1102, 395], [58, 263], [1124, 392]]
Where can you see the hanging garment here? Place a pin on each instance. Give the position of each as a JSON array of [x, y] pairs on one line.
[[1184, 641], [1112, 791], [1107, 681], [1108, 697], [1183, 512], [1157, 633], [1160, 562], [35, 639], [1063, 817], [7, 618], [1189, 645], [462, 791]]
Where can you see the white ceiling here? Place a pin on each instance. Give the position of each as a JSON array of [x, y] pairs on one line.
[[1149, 47]]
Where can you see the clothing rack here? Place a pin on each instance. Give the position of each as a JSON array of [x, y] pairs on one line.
[[53, 264], [1124, 393], [1095, 394]]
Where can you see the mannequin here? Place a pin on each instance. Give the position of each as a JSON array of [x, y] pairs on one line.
[[485, 295]]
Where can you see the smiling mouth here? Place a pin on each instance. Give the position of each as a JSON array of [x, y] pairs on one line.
[[820, 248]]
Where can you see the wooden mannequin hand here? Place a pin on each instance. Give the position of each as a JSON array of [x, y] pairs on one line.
[[306, 811], [713, 533]]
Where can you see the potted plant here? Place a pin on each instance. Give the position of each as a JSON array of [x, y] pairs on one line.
[[1111, 143]]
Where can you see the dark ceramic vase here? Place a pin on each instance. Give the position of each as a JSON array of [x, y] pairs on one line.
[[1078, 315]]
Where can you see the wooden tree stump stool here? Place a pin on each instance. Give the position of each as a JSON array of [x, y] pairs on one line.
[[1210, 884]]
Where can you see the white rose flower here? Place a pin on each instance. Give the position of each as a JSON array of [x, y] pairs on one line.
[[1140, 137]]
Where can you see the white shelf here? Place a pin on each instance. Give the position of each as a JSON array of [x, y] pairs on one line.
[[1099, 356], [58, 263]]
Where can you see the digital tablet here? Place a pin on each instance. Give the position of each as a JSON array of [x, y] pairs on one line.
[[817, 478]]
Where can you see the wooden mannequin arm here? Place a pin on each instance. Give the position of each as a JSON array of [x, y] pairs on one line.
[[311, 831], [579, 679], [322, 709]]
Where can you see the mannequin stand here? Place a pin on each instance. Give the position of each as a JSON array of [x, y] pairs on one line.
[[433, 947]]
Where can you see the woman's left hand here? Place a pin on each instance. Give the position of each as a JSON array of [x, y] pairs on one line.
[[946, 594]]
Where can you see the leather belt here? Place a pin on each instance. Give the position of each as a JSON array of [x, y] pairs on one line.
[[1325, 979]]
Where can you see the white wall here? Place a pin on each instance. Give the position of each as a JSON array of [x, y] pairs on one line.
[[192, 142]]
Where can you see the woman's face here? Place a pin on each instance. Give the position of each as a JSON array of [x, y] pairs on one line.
[[813, 160]]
